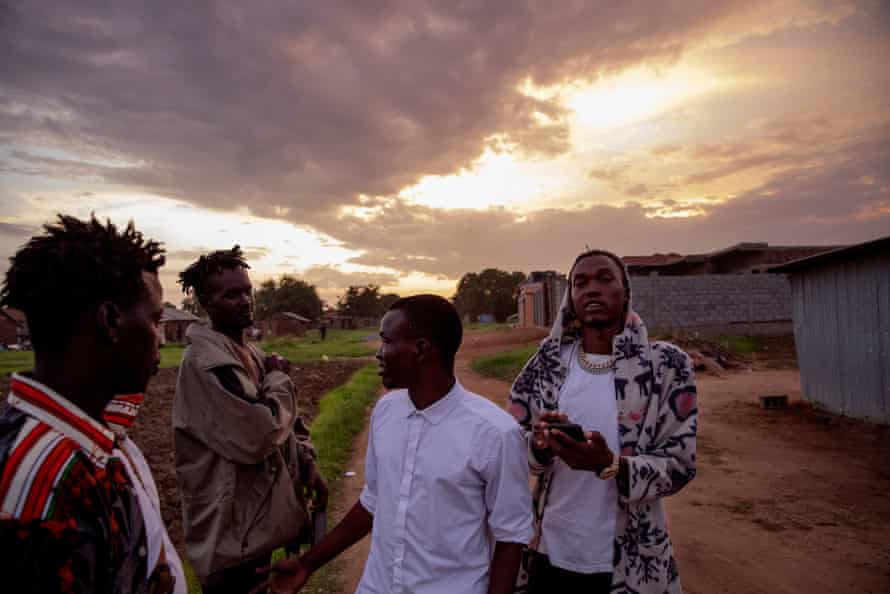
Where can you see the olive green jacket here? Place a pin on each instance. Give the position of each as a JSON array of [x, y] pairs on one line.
[[240, 454]]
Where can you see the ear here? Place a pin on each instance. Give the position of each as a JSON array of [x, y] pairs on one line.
[[424, 349], [108, 322]]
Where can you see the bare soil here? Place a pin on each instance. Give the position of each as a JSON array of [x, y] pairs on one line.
[[153, 431], [792, 501]]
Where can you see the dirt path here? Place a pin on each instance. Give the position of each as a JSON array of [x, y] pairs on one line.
[[785, 502], [351, 563]]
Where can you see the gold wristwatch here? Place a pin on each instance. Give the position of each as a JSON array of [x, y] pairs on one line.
[[611, 471]]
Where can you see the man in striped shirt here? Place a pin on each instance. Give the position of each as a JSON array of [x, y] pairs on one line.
[[79, 509]]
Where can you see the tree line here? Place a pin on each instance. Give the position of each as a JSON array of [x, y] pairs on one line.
[[491, 291]]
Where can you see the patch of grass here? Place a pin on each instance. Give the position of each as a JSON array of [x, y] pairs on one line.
[[741, 345], [489, 326], [505, 365], [171, 355], [194, 586], [11, 361], [341, 417], [338, 343]]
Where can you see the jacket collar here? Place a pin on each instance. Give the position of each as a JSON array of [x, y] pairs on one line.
[[50, 407], [213, 349], [121, 412]]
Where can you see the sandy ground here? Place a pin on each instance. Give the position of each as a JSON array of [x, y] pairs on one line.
[[786, 502]]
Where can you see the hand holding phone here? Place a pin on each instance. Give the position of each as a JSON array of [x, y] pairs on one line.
[[573, 430]]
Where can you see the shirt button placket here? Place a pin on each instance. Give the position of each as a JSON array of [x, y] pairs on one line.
[[415, 424]]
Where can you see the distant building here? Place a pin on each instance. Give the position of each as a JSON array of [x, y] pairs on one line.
[[841, 312], [347, 322], [13, 327], [287, 323], [540, 297], [174, 323], [742, 258]]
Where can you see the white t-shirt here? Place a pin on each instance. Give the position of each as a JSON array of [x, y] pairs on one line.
[[578, 531], [442, 484]]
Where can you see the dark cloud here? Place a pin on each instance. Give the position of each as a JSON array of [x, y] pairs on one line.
[[250, 253], [24, 163], [16, 231], [307, 105], [327, 278], [842, 200], [304, 107]]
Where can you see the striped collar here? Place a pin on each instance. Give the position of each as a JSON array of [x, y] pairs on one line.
[[121, 412], [47, 406]]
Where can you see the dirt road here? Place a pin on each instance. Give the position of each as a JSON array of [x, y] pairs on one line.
[[785, 502]]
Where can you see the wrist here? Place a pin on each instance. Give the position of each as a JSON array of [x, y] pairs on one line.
[[309, 562], [542, 455], [610, 471]]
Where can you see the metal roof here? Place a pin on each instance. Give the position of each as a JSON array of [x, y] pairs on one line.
[[293, 316], [171, 314], [844, 252]]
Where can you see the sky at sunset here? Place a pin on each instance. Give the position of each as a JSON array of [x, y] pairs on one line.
[[406, 142]]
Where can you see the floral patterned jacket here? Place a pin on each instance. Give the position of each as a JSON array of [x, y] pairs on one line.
[[657, 424]]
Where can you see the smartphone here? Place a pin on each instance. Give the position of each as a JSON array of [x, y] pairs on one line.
[[573, 430]]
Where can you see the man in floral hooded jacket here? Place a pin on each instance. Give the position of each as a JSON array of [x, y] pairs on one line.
[[592, 533]]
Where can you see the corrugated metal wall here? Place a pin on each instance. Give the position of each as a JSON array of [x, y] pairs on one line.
[[842, 331]]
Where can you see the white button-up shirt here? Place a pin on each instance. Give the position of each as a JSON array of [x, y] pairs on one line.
[[442, 483]]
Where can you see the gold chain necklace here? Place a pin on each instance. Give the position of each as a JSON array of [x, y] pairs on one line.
[[595, 368]]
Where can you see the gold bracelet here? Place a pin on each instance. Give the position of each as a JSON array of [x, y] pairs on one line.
[[611, 471]]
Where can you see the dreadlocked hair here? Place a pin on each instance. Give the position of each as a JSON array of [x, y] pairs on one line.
[[57, 277], [194, 278]]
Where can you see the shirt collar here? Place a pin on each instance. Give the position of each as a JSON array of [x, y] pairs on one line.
[[47, 406], [121, 412], [437, 411]]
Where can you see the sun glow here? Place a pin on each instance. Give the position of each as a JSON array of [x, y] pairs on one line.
[[503, 176], [637, 95], [494, 179]]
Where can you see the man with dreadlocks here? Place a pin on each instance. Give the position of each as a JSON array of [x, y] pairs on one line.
[[243, 455], [79, 510], [600, 523]]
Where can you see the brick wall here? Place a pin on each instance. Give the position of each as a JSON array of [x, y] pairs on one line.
[[748, 303]]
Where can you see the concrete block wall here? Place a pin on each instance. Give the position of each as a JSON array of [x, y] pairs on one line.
[[711, 300]]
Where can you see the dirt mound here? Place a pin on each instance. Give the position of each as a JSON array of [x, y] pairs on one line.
[[716, 356], [153, 431]]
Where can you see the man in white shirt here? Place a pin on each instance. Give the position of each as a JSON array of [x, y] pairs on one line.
[[446, 496]]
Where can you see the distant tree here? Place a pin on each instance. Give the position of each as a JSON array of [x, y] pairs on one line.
[[288, 294], [191, 305], [365, 301], [491, 291], [387, 300]]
